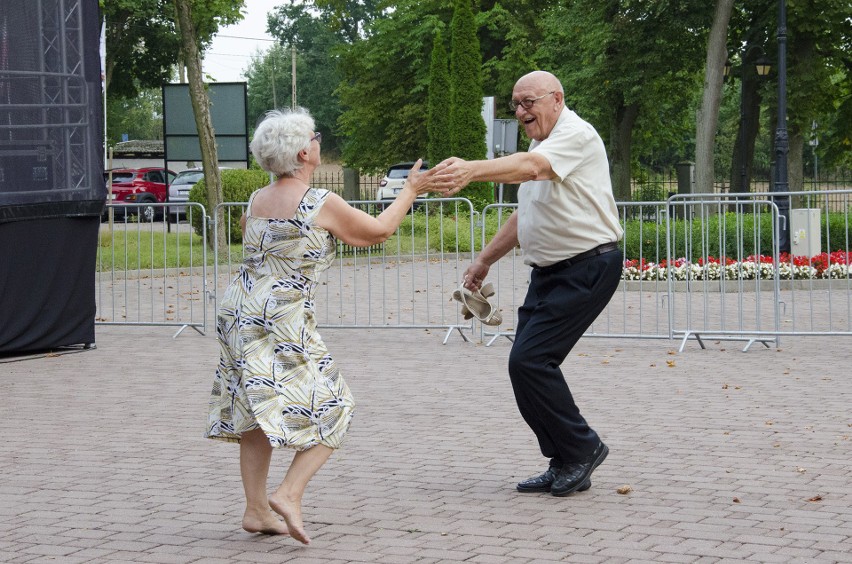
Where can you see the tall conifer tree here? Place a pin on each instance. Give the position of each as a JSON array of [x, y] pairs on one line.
[[467, 129], [438, 120]]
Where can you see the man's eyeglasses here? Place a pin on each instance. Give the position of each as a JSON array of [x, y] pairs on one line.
[[527, 103], [317, 137]]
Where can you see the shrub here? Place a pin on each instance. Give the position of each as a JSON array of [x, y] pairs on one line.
[[650, 192], [237, 186], [450, 232], [730, 235], [837, 234]]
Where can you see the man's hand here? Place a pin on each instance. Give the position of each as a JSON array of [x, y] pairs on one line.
[[458, 172], [475, 275], [432, 180]]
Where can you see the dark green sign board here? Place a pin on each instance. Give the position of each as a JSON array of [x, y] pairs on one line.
[[228, 112]]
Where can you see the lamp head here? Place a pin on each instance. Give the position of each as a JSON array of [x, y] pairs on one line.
[[762, 66]]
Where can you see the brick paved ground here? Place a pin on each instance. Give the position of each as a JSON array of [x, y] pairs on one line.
[[731, 456]]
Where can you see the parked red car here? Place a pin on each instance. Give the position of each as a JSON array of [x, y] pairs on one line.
[[140, 186]]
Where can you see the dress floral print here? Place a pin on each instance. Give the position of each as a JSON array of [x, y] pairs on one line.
[[274, 369]]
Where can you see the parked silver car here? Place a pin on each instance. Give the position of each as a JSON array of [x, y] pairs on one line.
[[180, 187]]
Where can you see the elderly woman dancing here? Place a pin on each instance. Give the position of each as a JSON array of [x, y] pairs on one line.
[[276, 384]]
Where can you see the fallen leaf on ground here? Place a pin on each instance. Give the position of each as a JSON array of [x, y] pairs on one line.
[[736, 500], [815, 498], [624, 490]]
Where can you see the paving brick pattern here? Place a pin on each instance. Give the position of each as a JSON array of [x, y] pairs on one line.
[[730, 456]]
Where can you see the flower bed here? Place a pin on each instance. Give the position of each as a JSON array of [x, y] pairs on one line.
[[834, 265]]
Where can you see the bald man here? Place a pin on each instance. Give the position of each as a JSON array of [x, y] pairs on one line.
[[567, 226]]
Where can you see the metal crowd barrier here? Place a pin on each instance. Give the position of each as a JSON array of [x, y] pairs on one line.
[[407, 282], [727, 293], [706, 266], [764, 294], [152, 271], [697, 267], [227, 260], [637, 309], [509, 276]]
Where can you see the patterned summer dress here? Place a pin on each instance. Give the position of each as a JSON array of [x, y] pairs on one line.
[[274, 370]]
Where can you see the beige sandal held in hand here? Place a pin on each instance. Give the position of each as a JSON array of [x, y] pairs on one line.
[[475, 304]]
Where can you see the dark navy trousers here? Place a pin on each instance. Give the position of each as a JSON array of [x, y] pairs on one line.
[[560, 305]]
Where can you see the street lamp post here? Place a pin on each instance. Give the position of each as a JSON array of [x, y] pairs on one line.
[[782, 144]]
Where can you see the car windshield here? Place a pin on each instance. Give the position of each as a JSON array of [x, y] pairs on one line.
[[190, 178], [398, 173]]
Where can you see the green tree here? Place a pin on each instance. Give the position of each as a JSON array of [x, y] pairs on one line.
[[627, 67], [438, 123], [748, 40], [509, 33], [384, 87], [350, 18], [467, 129], [707, 118], [191, 26], [819, 79], [270, 75], [139, 118], [143, 43]]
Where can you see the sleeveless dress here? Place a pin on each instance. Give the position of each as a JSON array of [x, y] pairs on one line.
[[274, 370]]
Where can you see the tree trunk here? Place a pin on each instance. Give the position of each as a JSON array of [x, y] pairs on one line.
[[707, 118], [621, 141], [743, 151], [203, 122]]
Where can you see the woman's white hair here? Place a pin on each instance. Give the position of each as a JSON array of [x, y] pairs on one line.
[[279, 138]]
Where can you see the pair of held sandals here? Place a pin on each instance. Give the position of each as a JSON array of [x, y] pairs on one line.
[[475, 304]]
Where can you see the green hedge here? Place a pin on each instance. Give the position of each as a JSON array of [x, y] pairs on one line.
[[450, 232], [694, 239], [237, 186]]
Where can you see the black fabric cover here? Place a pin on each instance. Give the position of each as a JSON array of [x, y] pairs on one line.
[[47, 283], [51, 172]]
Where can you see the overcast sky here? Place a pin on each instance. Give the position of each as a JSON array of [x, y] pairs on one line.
[[232, 48]]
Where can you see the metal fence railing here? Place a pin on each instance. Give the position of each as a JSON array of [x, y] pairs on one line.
[[760, 266], [151, 272], [333, 180], [405, 282], [696, 267]]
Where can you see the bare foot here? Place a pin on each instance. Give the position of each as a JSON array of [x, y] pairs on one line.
[[291, 511], [263, 522]]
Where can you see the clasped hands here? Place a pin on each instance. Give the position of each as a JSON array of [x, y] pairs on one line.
[[446, 179]]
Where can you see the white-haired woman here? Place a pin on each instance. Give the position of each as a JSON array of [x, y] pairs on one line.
[[276, 384]]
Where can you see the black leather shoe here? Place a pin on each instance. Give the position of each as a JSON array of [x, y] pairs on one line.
[[543, 482], [575, 476], [540, 483]]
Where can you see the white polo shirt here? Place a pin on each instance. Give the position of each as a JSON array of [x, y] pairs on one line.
[[560, 219]]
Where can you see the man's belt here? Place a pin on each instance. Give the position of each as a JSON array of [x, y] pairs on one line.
[[565, 263]]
